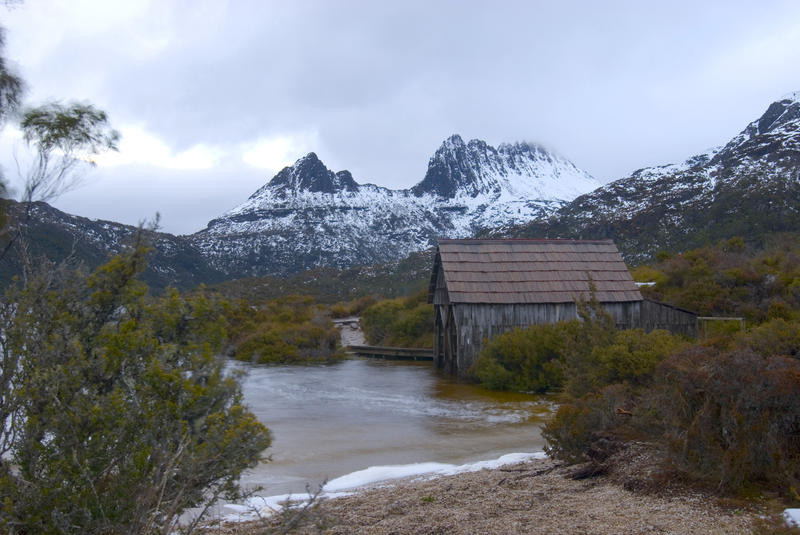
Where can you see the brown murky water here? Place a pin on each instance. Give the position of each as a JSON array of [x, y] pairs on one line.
[[331, 420]]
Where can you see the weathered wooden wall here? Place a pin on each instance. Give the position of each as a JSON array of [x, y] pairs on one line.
[[462, 328], [476, 322], [656, 315]]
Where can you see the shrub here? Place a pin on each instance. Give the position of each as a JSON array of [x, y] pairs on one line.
[[776, 337], [116, 411], [524, 359], [287, 330], [286, 343], [377, 320], [352, 308], [402, 322], [633, 356], [579, 426], [731, 418]]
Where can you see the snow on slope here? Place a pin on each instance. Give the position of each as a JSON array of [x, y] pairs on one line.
[[747, 187], [308, 216], [767, 148], [518, 170]]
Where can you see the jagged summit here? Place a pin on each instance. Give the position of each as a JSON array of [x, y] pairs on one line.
[[308, 174], [779, 113], [772, 139], [309, 216], [520, 169], [447, 170], [794, 96]]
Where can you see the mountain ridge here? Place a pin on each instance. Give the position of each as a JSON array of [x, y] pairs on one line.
[[308, 216], [749, 186]]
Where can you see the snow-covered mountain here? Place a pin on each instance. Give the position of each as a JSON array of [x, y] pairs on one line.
[[309, 216], [749, 187]]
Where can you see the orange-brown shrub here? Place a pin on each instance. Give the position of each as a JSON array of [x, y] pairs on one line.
[[732, 418]]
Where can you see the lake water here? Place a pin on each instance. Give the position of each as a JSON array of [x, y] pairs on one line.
[[331, 420]]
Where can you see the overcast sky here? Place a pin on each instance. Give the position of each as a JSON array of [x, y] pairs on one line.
[[213, 97]]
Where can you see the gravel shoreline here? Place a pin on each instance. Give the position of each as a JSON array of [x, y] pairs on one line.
[[534, 497]]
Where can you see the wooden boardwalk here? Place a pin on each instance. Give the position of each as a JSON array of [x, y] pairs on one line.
[[391, 353]]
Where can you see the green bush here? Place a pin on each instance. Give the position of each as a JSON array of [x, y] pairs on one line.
[[401, 322], [603, 387], [776, 337], [352, 308], [288, 330], [117, 414], [287, 343], [527, 360], [574, 432], [633, 356]]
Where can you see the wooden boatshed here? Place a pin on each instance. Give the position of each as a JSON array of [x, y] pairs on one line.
[[482, 288]]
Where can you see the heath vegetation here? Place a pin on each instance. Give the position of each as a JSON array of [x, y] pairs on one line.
[[286, 330], [400, 322], [722, 411]]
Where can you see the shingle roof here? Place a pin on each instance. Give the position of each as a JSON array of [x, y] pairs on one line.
[[533, 271]]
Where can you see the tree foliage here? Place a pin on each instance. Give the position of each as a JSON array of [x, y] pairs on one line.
[[11, 90], [400, 322], [11, 85], [63, 137], [288, 330], [116, 411]]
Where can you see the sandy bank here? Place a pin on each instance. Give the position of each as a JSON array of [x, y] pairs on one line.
[[533, 497]]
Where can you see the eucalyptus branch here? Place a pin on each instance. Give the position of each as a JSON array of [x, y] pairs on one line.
[[64, 139]]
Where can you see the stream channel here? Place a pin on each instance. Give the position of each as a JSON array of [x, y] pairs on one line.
[[335, 419]]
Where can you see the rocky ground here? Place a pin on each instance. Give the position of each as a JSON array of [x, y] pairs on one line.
[[535, 497], [350, 331]]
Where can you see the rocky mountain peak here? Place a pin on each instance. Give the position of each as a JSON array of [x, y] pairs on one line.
[[309, 174], [448, 169], [779, 113], [453, 142], [773, 138], [520, 170]]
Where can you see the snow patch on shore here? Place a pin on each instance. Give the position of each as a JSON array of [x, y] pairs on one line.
[[792, 517], [261, 506]]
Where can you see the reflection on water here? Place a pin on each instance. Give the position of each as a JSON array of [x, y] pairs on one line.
[[331, 420]]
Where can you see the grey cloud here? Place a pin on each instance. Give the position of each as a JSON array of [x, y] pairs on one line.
[[614, 86]]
